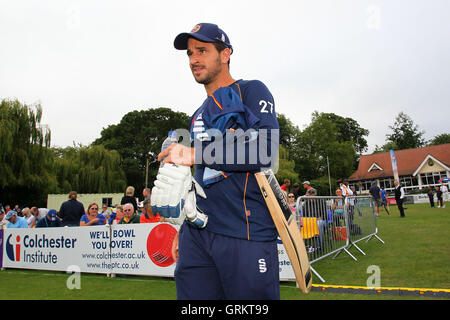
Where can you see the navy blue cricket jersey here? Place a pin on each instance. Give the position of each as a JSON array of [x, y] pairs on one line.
[[234, 204]]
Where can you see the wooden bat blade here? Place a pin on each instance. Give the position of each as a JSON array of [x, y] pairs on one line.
[[287, 228]]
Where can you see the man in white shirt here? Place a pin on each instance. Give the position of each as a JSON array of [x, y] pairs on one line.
[[444, 190]]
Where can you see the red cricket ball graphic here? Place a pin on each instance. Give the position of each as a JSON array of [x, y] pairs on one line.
[[159, 244]]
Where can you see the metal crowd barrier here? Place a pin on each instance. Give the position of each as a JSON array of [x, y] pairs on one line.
[[331, 225]]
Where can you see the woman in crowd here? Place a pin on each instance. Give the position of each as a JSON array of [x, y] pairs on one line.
[[129, 198], [337, 207], [92, 217]]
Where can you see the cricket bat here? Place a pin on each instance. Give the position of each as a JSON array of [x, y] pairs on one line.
[[287, 228]]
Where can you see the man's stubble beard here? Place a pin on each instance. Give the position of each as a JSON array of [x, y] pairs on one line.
[[210, 75]]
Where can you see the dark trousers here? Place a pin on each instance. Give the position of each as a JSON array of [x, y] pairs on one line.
[[213, 266], [431, 201], [400, 207]]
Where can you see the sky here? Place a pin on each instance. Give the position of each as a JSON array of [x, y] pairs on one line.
[[88, 63]]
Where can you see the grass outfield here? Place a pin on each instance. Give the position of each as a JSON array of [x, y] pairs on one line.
[[416, 254]]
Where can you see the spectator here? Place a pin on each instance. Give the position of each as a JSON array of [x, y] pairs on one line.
[[15, 221], [356, 200], [105, 211], [337, 207], [399, 197], [147, 195], [18, 210], [346, 191], [129, 198], [439, 197], [444, 190], [116, 216], [3, 221], [31, 219], [349, 200], [71, 211], [375, 192], [316, 208], [150, 217], [384, 199], [38, 213], [130, 215], [306, 186], [51, 220], [147, 214], [430, 195], [92, 217], [285, 185], [291, 201], [296, 190]]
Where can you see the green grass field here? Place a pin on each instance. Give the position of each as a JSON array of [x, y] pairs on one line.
[[416, 254]]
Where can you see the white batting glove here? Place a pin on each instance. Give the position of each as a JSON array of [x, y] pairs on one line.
[[194, 215], [174, 196]]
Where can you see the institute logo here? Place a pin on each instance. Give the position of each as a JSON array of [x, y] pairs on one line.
[[159, 244], [13, 248]]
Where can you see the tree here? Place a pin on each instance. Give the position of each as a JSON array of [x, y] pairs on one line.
[[405, 134], [440, 139], [138, 138], [88, 169], [285, 167], [348, 129], [386, 147], [25, 160], [322, 139], [288, 131]]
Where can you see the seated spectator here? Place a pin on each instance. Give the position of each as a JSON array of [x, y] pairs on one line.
[[130, 215], [31, 219], [39, 213], [51, 220], [105, 212], [337, 207], [15, 221], [116, 215], [316, 208], [149, 217], [18, 210], [3, 221], [92, 217], [291, 201]]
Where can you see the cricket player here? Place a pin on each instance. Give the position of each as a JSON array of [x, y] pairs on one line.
[[235, 256]]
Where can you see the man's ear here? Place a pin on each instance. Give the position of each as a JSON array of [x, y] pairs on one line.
[[225, 55]]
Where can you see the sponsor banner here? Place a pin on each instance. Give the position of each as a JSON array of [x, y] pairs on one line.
[[139, 249], [47, 249], [394, 165], [143, 249], [286, 271]]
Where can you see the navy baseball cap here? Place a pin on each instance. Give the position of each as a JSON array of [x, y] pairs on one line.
[[52, 214], [205, 32]]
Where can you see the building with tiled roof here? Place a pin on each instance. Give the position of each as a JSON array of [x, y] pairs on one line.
[[417, 168]]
